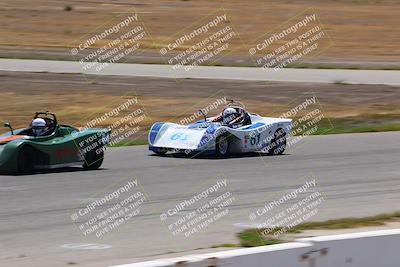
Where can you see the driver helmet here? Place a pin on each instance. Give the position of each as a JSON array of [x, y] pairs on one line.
[[38, 126], [229, 115]]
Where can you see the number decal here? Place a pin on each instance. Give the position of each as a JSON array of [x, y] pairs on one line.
[[179, 136], [255, 139]]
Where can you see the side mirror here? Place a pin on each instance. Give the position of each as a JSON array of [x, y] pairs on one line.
[[8, 125]]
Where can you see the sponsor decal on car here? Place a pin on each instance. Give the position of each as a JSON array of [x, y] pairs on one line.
[[246, 140]]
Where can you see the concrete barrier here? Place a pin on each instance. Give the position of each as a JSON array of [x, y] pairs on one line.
[[275, 255], [366, 249]]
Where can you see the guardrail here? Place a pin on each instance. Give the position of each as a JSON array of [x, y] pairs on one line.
[[366, 249]]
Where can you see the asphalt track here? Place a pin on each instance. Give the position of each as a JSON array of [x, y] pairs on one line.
[[387, 77], [357, 174]]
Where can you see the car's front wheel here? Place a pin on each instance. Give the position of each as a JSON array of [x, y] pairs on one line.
[[25, 160], [222, 146], [93, 159]]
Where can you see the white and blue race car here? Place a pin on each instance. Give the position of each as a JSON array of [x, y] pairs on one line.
[[250, 133]]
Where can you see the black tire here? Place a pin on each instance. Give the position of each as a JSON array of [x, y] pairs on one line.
[[93, 160], [26, 158], [161, 152], [278, 144], [222, 146]]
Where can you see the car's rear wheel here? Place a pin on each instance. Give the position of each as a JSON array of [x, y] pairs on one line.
[[222, 146], [26, 158], [93, 159], [278, 144]]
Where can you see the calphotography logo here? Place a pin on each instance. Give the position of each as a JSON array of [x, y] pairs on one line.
[[110, 43], [125, 123], [307, 118], [203, 43], [195, 214], [280, 215], [204, 111], [291, 43], [110, 210]]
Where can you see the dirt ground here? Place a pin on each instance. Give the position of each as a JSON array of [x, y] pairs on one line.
[[361, 30], [75, 101]]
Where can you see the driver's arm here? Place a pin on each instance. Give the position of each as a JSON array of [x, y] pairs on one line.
[[237, 120], [218, 118]]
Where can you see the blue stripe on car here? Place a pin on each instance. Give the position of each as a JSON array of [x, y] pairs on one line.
[[256, 125], [197, 124], [154, 131]]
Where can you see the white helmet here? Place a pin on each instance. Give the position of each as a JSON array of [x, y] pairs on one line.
[[229, 115], [38, 126]]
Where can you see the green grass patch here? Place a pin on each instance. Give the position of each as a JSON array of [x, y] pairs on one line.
[[373, 123], [359, 129], [225, 246], [255, 237]]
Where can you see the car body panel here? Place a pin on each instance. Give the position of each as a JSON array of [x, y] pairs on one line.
[[66, 146], [201, 136]]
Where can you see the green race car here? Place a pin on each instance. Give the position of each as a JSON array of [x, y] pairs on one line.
[[23, 151]]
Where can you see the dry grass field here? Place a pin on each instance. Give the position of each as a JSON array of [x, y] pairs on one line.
[[350, 108], [361, 30]]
